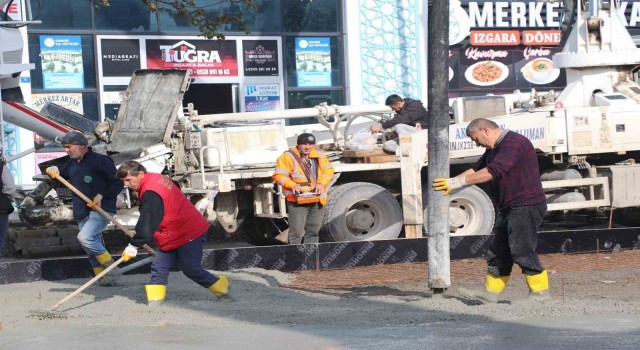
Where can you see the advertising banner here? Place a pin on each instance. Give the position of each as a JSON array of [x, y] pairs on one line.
[[313, 62], [503, 46], [120, 57], [61, 59], [261, 97], [205, 58], [260, 58]]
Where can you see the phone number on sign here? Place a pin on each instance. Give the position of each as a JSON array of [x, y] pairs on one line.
[[203, 71]]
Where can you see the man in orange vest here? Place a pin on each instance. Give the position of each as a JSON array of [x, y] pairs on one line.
[[168, 218], [304, 174]]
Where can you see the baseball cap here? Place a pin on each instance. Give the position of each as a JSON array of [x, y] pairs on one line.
[[306, 138], [74, 138]]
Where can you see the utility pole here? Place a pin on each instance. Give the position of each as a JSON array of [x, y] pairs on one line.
[[438, 106]]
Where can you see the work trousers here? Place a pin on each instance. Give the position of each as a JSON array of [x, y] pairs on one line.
[[305, 221], [90, 235], [515, 239], [190, 257], [400, 129]]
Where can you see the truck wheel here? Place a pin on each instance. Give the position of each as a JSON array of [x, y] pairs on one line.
[[361, 211], [470, 213]]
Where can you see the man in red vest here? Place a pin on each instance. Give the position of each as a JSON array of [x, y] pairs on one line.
[[168, 218]]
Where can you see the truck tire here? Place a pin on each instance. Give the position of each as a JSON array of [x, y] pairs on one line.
[[361, 211], [470, 213]]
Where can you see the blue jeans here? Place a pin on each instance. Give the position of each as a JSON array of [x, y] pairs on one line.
[[4, 227], [90, 235], [190, 256]]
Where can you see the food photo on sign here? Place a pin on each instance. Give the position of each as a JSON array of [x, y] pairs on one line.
[[535, 68], [486, 67]]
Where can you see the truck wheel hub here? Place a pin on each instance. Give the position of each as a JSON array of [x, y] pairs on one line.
[[458, 217], [360, 219]]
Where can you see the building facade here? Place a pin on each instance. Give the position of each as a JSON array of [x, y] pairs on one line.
[[298, 53]]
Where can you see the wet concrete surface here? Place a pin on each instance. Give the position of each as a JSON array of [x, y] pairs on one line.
[[556, 333]]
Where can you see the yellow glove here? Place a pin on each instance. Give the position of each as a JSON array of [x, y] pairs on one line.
[[97, 200], [447, 185], [52, 171], [129, 252]]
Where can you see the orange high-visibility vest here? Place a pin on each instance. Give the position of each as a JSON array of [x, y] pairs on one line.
[[289, 173]]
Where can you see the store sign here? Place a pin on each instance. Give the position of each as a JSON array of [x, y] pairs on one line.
[[501, 46], [204, 58], [61, 60], [120, 57], [262, 97], [313, 62], [70, 101], [260, 58]]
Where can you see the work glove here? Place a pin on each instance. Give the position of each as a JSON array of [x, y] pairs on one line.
[[52, 171], [129, 252], [447, 185], [97, 200]]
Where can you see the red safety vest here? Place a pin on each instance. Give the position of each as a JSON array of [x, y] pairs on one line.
[[182, 222]]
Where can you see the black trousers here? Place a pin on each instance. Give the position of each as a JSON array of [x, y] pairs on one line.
[[515, 239]]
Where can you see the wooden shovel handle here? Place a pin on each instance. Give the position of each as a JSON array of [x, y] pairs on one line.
[[101, 211], [86, 285]]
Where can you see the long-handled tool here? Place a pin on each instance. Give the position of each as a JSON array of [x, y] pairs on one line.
[[101, 211], [52, 313]]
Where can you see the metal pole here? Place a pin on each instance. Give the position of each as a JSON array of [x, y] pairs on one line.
[[438, 106]]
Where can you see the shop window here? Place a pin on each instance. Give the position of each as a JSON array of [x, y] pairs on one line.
[[125, 15], [267, 17], [61, 14], [307, 99], [310, 15], [296, 66], [83, 61]]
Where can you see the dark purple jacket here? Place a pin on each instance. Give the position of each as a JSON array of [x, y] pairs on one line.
[[412, 113], [514, 167]]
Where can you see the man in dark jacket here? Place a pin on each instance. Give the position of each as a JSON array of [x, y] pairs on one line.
[[94, 175], [409, 113]]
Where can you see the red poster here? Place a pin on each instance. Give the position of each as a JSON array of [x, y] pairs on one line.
[[205, 58]]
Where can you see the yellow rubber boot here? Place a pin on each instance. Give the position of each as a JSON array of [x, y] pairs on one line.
[[538, 286], [105, 261], [155, 294], [221, 287], [494, 285]]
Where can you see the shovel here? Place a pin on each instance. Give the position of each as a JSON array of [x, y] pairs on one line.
[[52, 313], [101, 211]]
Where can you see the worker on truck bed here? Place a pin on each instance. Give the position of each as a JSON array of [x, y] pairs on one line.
[[409, 114], [177, 227], [304, 174], [94, 175], [510, 164]]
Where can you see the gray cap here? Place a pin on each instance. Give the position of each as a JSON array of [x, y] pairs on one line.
[[74, 138]]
